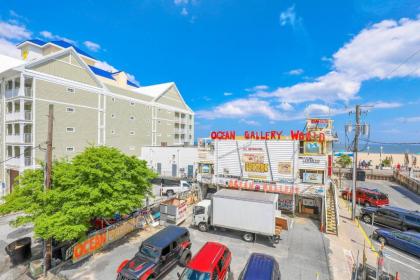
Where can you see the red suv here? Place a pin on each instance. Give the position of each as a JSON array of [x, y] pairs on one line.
[[212, 262], [367, 197]]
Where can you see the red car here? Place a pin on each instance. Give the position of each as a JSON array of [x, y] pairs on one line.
[[367, 197], [212, 262]]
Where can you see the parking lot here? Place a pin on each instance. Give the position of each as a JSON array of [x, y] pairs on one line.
[[395, 260]]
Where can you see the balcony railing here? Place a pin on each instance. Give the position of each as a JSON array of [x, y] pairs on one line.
[[19, 116], [10, 93]]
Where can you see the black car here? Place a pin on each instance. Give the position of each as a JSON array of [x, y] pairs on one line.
[[391, 216], [157, 255]]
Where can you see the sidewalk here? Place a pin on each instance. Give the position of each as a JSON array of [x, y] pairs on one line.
[[343, 249]]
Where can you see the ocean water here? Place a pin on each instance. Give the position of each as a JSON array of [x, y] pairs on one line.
[[386, 148]]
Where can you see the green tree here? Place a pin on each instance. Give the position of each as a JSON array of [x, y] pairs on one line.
[[386, 162], [99, 182], [344, 160]]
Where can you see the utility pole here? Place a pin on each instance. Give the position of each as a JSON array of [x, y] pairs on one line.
[[355, 150], [47, 185]]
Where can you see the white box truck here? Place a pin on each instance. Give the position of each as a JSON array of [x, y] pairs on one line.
[[250, 213]]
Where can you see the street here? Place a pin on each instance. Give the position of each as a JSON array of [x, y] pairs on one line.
[[395, 260]]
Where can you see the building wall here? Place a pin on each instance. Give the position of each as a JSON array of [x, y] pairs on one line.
[[167, 156]]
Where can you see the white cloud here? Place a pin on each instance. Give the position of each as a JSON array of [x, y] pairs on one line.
[[250, 122], [8, 48], [409, 119], [296, 72], [184, 11], [384, 105], [92, 46], [181, 2], [132, 79], [241, 108], [13, 31], [285, 106], [258, 88], [289, 17], [105, 66], [49, 35], [227, 94]]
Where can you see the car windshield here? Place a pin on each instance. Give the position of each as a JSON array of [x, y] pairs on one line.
[[190, 274], [148, 251]]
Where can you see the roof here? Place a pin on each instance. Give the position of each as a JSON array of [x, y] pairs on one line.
[[108, 75], [7, 62], [59, 43], [204, 203], [165, 237], [154, 90], [247, 195], [402, 210], [259, 266], [206, 259]]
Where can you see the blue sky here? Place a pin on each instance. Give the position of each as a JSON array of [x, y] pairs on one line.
[[251, 65]]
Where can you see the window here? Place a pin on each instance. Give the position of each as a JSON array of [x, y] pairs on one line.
[[70, 129], [9, 151], [70, 149], [198, 210], [132, 133], [70, 109], [166, 250], [70, 90]]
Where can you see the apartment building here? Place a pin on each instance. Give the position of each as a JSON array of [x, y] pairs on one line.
[[91, 107]]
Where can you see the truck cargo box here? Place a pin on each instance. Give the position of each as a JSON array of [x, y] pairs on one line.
[[245, 211]]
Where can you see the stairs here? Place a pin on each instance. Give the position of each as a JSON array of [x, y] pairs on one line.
[[331, 213]]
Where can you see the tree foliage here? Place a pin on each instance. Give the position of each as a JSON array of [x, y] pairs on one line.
[[343, 161], [99, 182]]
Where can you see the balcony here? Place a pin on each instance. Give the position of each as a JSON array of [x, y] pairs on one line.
[[28, 91], [10, 93], [28, 161], [24, 138], [19, 116], [23, 161]]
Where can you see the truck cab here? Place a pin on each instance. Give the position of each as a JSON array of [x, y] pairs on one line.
[[202, 215]]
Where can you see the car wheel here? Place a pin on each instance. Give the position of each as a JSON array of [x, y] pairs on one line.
[[185, 257], [169, 192], [203, 227], [382, 239], [248, 237], [367, 219]]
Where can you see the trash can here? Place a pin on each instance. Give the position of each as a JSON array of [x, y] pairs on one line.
[[361, 175], [19, 250]]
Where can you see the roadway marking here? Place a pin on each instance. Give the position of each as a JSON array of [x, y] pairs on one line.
[[397, 253], [400, 262], [366, 237]]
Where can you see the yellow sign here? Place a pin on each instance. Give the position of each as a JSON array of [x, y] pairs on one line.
[[256, 167], [25, 54], [284, 168]]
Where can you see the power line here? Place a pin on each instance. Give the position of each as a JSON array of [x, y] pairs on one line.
[[18, 156]]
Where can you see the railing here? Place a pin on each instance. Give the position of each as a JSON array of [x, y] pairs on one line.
[[10, 93]]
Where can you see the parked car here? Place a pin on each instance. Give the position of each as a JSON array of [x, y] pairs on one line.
[[170, 190], [261, 267], [406, 241], [157, 255], [212, 262], [391, 216], [367, 197]]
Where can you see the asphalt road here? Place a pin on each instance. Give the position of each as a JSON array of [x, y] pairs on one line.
[[395, 260]]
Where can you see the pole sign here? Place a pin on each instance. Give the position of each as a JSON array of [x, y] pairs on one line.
[[269, 135]]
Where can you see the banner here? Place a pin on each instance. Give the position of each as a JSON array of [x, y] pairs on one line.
[[312, 177]]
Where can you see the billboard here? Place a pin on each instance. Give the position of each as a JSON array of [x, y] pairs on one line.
[[310, 177]]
